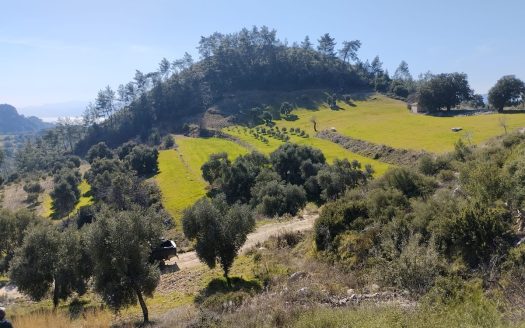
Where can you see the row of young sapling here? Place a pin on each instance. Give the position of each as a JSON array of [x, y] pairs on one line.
[[282, 134]]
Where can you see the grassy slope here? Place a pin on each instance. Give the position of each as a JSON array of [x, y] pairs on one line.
[[180, 178], [387, 121], [330, 149]]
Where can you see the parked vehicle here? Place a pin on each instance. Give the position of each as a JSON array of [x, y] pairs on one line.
[[164, 251]]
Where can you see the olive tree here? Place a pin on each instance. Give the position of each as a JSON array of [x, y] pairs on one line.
[[51, 261], [220, 230], [120, 244], [13, 228]]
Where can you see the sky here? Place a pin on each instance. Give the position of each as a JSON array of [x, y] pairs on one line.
[[65, 51]]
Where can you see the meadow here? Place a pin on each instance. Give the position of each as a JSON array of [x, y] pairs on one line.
[[387, 121], [179, 176]]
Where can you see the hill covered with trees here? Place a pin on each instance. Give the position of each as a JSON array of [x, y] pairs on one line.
[[252, 59], [12, 123]]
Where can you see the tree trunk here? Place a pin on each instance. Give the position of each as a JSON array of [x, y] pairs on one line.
[[315, 126], [228, 281], [143, 306], [55, 296]]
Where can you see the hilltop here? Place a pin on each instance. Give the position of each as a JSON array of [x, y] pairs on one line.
[[12, 123]]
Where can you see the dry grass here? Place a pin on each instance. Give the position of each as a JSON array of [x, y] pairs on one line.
[[60, 319]]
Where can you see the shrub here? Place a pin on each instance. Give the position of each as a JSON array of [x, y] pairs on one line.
[[347, 213], [168, 141], [409, 183], [415, 268], [277, 198], [482, 232], [33, 187]]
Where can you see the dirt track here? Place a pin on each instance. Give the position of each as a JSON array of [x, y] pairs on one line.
[[190, 259]]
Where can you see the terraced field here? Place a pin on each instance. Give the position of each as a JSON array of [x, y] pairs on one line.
[[378, 119], [329, 149], [383, 120]]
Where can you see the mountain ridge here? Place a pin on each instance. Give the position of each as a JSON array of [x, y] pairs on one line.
[[13, 122]]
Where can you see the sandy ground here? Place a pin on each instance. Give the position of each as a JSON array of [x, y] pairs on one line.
[[190, 260]]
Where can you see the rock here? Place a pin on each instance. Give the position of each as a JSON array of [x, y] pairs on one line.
[[373, 288], [297, 275], [350, 291], [304, 291], [456, 129]]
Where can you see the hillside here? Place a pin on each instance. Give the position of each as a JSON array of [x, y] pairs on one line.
[[11, 122]]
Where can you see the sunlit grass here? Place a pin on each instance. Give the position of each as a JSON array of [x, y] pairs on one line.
[[179, 177], [383, 120]]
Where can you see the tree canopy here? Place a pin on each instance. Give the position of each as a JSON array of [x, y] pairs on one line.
[[508, 91], [444, 90]]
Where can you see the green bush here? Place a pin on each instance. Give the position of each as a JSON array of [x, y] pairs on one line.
[[347, 213], [408, 182]]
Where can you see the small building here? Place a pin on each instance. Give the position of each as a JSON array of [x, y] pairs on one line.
[[415, 108]]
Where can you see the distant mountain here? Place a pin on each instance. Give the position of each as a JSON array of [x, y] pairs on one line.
[[11, 122], [51, 112]]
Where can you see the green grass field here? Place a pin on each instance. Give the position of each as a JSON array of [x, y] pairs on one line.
[[329, 149], [383, 120], [180, 177]]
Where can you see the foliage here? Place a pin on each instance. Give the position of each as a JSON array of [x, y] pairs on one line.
[[444, 91], [508, 91], [13, 228], [411, 184], [50, 259], [296, 163], [335, 179], [286, 108], [220, 230], [482, 233], [99, 151], [143, 160], [414, 268], [120, 245], [65, 193], [347, 213], [272, 196]]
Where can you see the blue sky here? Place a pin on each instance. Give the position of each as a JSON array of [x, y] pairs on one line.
[[60, 51]]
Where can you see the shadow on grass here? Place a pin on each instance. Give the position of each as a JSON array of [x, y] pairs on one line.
[[291, 117], [170, 268], [220, 286]]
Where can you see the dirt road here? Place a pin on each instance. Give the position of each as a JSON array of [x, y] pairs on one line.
[[190, 259]]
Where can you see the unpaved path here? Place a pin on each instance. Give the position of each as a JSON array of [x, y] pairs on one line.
[[190, 260]]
